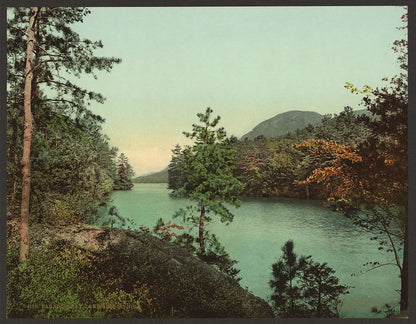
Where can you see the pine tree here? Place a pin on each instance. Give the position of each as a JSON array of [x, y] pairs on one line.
[[304, 288], [321, 289], [287, 294], [125, 174], [209, 172], [52, 47], [176, 169]]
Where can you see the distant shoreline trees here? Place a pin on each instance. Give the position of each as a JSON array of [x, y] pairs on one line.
[[125, 174], [273, 167]]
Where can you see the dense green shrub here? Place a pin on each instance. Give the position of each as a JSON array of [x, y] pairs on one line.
[[60, 213], [52, 284], [60, 281]]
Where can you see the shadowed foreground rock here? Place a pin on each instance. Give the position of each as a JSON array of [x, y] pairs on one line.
[[178, 280]]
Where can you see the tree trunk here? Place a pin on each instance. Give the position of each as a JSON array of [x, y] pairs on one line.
[[319, 308], [292, 298], [12, 202], [201, 230], [404, 275], [27, 139]]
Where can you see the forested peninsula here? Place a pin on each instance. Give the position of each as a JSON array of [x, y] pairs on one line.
[[61, 169]]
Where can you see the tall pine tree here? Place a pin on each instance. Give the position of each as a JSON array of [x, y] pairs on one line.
[[27, 138], [209, 172], [54, 55]]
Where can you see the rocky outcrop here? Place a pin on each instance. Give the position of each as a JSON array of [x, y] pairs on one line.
[[179, 280]]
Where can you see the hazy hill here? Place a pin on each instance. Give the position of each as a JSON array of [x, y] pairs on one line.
[[283, 123], [157, 177], [289, 121]]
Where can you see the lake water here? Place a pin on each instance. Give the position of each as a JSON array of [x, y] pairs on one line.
[[262, 226]]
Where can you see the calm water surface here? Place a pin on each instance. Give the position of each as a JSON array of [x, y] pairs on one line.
[[262, 226]]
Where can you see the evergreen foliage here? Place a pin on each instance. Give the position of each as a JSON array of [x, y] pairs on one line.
[[208, 170], [204, 173], [321, 289], [303, 287], [72, 164], [176, 169], [287, 293], [125, 174]]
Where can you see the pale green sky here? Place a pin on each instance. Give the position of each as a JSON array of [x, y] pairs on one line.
[[247, 63]]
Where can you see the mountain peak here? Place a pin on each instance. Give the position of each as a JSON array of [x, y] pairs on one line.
[[283, 123]]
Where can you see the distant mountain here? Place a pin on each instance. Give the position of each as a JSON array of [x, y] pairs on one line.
[[157, 177], [290, 121], [283, 123]]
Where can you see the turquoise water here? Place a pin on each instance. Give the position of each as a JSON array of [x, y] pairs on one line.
[[260, 228]]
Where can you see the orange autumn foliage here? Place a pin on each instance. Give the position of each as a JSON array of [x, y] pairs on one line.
[[324, 147], [346, 178], [165, 231]]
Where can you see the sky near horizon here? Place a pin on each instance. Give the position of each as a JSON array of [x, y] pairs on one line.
[[247, 63]]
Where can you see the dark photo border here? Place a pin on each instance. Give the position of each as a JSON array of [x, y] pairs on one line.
[[111, 3]]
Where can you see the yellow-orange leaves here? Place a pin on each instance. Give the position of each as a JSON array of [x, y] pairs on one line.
[[343, 152], [337, 177]]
